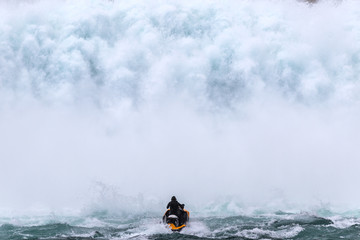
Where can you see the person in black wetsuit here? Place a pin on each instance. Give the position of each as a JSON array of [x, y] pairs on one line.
[[175, 207]]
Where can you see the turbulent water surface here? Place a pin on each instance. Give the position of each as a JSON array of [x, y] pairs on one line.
[[247, 111], [273, 226]]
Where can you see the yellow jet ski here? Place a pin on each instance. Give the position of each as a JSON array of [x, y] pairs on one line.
[[176, 223]]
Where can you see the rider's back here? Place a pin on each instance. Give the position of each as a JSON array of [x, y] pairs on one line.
[[174, 206]]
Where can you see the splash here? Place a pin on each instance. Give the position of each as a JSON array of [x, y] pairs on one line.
[[225, 105]]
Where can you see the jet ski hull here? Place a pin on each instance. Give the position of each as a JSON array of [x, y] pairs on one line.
[[176, 223]]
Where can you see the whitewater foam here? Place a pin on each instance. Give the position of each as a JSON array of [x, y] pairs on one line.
[[255, 100]]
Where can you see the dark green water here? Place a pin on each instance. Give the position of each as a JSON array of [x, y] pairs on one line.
[[276, 226]]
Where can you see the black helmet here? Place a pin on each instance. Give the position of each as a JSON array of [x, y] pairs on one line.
[[173, 198]]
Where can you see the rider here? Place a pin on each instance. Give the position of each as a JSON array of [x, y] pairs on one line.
[[175, 207]]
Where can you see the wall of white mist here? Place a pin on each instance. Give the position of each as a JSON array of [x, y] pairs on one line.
[[54, 157], [256, 100]]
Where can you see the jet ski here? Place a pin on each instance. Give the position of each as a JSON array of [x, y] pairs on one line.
[[176, 223]]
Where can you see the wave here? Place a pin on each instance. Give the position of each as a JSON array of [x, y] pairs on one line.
[[218, 54]]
